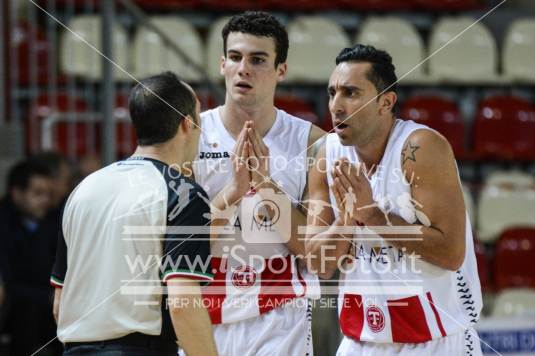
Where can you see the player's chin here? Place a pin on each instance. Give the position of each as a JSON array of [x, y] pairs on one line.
[[345, 139]]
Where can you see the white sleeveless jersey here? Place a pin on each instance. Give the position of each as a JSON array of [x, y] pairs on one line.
[[386, 295], [252, 278]]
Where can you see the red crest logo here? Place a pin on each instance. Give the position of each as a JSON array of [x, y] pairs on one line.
[[375, 319], [243, 277]]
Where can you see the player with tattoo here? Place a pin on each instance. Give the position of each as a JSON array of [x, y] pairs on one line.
[[409, 282]]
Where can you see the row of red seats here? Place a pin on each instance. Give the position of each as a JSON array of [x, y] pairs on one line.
[[512, 263], [504, 126], [82, 137], [503, 129], [297, 5]]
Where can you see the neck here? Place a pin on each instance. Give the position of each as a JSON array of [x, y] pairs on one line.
[[167, 153], [234, 117], [372, 153]]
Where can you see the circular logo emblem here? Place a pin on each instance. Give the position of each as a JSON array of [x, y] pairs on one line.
[[263, 210], [375, 319], [243, 277]]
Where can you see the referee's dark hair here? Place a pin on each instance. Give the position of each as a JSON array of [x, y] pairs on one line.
[[382, 73], [158, 105]]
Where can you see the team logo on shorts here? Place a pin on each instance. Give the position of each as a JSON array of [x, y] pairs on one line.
[[375, 319], [243, 277]]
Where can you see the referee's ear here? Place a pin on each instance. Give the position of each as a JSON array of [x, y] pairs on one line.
[[187, 125]]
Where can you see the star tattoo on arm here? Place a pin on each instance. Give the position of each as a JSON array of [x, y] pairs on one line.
[[408, 152]]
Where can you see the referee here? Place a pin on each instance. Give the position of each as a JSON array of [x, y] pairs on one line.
[[126, 232]]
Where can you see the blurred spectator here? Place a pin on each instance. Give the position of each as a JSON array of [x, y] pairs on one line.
[[87, 165], [27, 241], [61, 173]]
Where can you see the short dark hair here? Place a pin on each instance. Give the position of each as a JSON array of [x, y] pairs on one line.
[[156, 105], [20, 174], [382, 73], [52, 159], [261, 24]]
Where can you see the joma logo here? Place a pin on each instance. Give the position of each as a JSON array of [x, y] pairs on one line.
[[205, 155]]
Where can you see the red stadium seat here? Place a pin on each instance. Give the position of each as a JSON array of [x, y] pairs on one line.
[[327, 123], [168, 4], [297, 107], [515, 253], [301, 5], [448, 5], [44, 106], [232, 5], [504, 128], [377, 5], [440, 114], [482, 265], [28, 46], [126, 140], [77, 138]]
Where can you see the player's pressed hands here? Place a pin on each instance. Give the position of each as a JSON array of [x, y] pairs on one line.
[[258, 157], [240, 183], [353, 189]]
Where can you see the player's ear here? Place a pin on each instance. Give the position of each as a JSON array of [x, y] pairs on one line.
[[387, 102], [222, 65], [281, 71]]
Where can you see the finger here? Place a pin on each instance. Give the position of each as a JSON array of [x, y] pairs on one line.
[[351, 173], [259, 142], [336, 194], [341, 189], [346, 167], [239, 143], [346, 183], [256, 146]]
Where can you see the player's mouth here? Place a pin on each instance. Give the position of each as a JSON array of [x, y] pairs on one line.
[[243, 86], [340, 126]]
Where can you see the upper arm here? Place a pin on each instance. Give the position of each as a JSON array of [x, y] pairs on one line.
[[314, 136], [187, 255], [59, 269], [319, 192], [430, 168]]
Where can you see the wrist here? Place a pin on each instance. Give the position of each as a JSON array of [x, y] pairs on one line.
[[372, 217], [232, 194]]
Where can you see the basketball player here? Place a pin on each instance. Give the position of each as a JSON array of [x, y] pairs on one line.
[[253, 153], [407, 232]]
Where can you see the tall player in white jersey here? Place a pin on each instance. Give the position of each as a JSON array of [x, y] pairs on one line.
[[258, 301], [398, 225]]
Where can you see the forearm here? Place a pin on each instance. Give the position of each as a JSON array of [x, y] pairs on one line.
[[224, 200], [191, 322], [324, 250], [427, 242], [57, 300], [295, 241]]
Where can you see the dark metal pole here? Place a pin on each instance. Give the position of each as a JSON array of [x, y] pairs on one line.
[[3, 50], [108, 84]]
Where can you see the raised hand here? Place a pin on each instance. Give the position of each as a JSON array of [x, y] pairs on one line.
[[353, 189], [258, 157], [240, 183]]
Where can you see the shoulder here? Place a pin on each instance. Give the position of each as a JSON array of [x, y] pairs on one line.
[[425, 148], [316, 134], [209, 113]]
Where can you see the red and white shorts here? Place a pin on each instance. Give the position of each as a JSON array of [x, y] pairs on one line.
[[283, 331], [464, 343]]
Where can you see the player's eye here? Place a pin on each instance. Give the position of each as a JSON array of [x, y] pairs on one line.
[[257, 60], [234, 58]]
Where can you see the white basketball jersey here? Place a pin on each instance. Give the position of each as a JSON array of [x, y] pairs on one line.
[[386, 295], [253, 277]]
